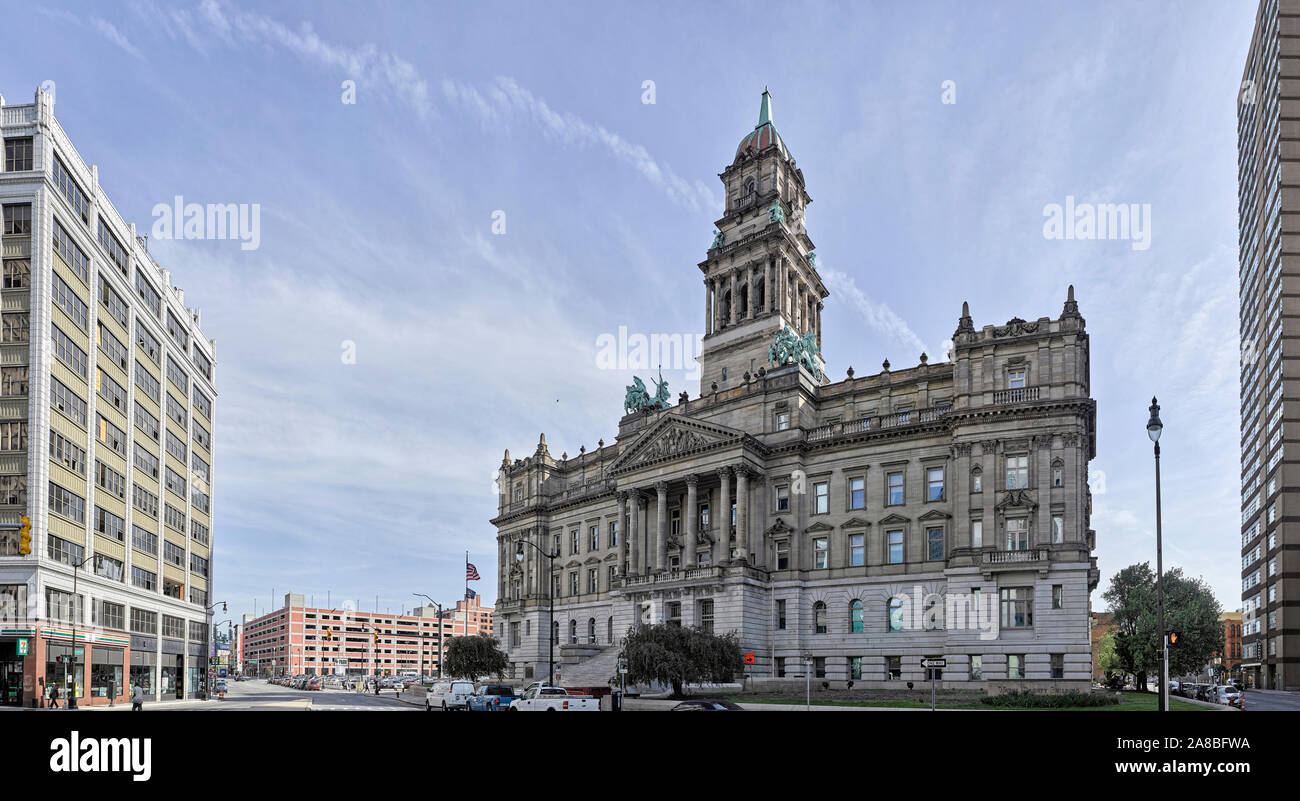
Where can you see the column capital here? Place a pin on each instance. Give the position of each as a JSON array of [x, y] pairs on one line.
[[724, 472], [639, 497], [692, 480], [661, 487], [622, 496]]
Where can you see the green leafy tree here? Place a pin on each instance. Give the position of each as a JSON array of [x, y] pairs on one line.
[[475, 656], [1190, 609], [1108, 655], [679, 655]]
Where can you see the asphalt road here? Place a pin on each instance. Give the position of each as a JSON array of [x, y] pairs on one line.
[[1272, 701], [243, 696]]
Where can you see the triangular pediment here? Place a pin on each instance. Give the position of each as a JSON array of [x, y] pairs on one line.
[[819, 526], [673, 436], [934, 514], [855, 522], [778, 528], [1017, 497], [893, 519]]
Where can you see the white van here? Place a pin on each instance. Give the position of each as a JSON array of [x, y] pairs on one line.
[[448, 695]]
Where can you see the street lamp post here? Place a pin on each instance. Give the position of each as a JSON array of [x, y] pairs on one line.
[[550, 629], [207, 652], [76, 612], [1154, 428], [435, 603]]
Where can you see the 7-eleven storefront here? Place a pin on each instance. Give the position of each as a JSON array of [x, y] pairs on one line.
[[36, 659]]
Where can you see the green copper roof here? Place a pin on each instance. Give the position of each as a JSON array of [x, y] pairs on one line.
[[764, 134], [765, 110]]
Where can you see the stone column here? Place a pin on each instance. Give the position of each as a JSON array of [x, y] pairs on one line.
[[708, 306], [692, 515], [1041, 448], [749, 292], [661, 526], [732, 316], [742, 510], [622, 531], [634, 533], [722, 547], [991, 482], [819, 325]]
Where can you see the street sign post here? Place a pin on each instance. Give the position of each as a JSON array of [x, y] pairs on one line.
[[931, 665]]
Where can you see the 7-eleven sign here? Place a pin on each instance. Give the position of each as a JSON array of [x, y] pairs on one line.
[[22, 647]]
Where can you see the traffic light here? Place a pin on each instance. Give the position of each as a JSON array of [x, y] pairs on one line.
[[1174, 637], [25, 535], [329, 635], [375, 634]]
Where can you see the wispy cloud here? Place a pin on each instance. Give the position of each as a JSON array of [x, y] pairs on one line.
[[877, 314], [98, 24]]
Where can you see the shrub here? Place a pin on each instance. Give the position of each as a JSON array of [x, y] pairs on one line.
[[1032, 700]]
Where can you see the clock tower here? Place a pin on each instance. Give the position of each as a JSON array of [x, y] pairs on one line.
[[760, 274]]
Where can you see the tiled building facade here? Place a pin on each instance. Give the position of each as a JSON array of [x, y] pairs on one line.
[[854, 523], [106, 424]]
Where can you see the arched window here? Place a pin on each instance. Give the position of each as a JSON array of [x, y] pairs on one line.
[[855, 617], [1058, 468], [591, 631], [819, 617], [976, 480], [573, 631], [609, 636], [895, 614]]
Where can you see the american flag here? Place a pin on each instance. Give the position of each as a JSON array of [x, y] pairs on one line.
[[471, 572]]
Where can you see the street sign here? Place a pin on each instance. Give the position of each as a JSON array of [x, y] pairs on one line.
[[934, 663], [749, 659], [22, 648], [78, 651]]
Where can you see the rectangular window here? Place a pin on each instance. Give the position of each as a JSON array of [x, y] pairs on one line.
[[67, 503], [593, 580], [202, 437], [202, 362], [173, 627], [821, 492], [13, 490], [820, 554], [198, 465], [855, 668], [177, 332], [1058, 596], [1015, 666], [977, 533], [113, 302], [110, 525], [174, 554], [1017, 472], [176, 447], [148, 294], [72, 255], [13, 382], [18, 273], [144, 500], [111, 436], [67, 453], [199, 499], [573, 583], [934, 544], [111, 615], [65, 401], [112, 347], [18, 154], [146, 461], [976, 667], [144, 540], [893, 668], [1017, 607], [175, 483], [17, 327], [857, 550], [782, 421], [976, 482], [198, 532], [895, 489], [63, 606], [573, 542], [61, 550], [782, 499], [67, 300], [780, 615], [934, 484], [147, 383], [1017, 534], [1058, 529], [146, 422], [706, 615], [174, 517], [142, 621], [176, 375], [613, 524], [201, 404], [71, 191], [110, 480], [857, 493], [13, 436], [111, 391], [895, 542], [173, 589], [783, 555], [1016, 379], [1058, 666]]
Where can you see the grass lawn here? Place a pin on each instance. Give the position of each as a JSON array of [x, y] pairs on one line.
[[1130, 702]]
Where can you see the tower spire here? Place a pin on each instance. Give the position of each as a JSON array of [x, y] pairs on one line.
[[765, 110]]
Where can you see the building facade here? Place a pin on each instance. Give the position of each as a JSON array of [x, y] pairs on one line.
[[1227, 663], [300, 639], [1268, 165], [852, 526], [106, 421]]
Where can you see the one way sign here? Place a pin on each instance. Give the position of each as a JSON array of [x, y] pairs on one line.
[[933, 663]]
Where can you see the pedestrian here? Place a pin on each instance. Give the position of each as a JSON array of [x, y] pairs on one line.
[[137, 698], [54, 697]]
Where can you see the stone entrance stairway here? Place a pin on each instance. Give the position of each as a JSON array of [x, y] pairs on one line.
[[594, 671]]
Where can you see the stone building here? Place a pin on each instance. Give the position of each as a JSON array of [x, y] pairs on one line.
[[854, 526]]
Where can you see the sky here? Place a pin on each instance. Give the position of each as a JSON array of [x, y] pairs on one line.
[[387, 340]]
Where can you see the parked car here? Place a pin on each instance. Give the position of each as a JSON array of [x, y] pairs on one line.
[[448, 695], [554, 699], [1228, 695], [1204, 692], [219, 686], [491, 698], [706, 705]]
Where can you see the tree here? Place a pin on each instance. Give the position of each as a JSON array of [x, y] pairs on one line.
[[1108, 655], [679, 655], [1190, 609], [475, 656]]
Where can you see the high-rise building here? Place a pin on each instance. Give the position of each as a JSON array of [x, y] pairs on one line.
[[1268, 202], [106, 421], [862, 524]]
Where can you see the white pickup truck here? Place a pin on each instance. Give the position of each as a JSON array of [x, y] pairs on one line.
[[553, 699]]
